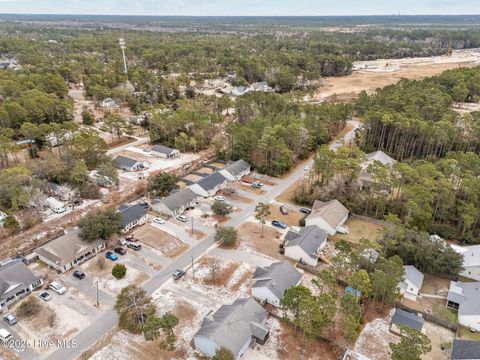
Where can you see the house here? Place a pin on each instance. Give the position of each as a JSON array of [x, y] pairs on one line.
[[306, 244], [132, 216], [235, 171], [471, 261], [176, 203], [3, 217], [61, 192], [16, 282], [270, 283], [128, 164], [402, 317], [165, 151], [261, 86], [239, 91], [328, 216], [137, 119], [69, 250], [209, 185], [464, 297], [465, 350], [235, 327], [107, 103], [412, 283], [379, 156]]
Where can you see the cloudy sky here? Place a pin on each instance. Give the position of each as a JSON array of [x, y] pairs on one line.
[[241, 7]]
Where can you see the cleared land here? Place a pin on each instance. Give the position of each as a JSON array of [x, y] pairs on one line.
[[165, 243], [292, 218], [249, 235], [358, 229]]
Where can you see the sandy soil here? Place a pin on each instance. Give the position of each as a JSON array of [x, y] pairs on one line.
[[292, 218], [249, 235], [438, 336], [165, 243]]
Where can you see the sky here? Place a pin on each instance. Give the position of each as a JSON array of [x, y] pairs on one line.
[[242, 7]]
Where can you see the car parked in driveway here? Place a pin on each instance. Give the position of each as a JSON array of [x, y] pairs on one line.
[[122, 242], [121, 251], [283, 210], [219, 198], [57, 287], [182, 218], [10, 319], [177, 274], [158, 220], [134, 246], [111, 256], [79, 274], [305, 210], [257, 185], [279, 224], [45, 296], [5, 336]]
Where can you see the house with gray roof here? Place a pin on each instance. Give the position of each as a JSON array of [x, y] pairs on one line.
[[16, 282], [328, 216], [128, 164], [270, 283], [236, 170], [68, 250], [412, 283], [165, 151], [465, 350], [405, 318], [464, 297], [132, 216], [306, 244], [366, 179], [235, 327], [176, 203], [471, 260], [209, 185]]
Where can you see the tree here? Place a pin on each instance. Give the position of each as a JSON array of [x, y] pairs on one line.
[[413, 344], [226, 235], [115, 125], [262, 212], [161, 184], [154, 325], [221, 208], [223, 354], [119, 271], [361, 281], [11, 223], [100, 224], [133, 307], [79, 173], [88, 118]]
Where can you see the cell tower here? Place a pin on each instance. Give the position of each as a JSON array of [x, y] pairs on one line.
[[121, 41]]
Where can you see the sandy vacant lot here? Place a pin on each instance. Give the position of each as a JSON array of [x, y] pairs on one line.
[[165, 243], [292, 218], [249, 235]]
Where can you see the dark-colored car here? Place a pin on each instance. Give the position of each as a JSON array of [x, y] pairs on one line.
[[134, 246], [305, 210], [177, 274], [131, 238], [144, 205], [283, 210], [120, 250], [79, 274], [257, 185], [279, 224], [45, 296]]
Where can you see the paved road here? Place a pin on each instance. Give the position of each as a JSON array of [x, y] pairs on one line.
[[109, 319]]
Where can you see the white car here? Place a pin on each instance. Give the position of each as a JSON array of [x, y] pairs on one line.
[[219, 198], [182, 218], [5, 335], [158, 220], [122, 242], [307, 168], [57, 287]]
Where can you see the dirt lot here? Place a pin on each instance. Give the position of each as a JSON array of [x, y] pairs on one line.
[[434, 285], [236, 197], [359, 229], [292, 218], [248, 188], [165, 243], [205, 170], [193, 177], [249, 235], [439, 336], [287, 196]]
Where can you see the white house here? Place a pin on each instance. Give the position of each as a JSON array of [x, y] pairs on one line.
[[471, 261], [412, 283], [235, 171], [270, 283], [107, 103], [176, 203], [306, 244], [132, 216], [209, 185], [128, 164], [236, 327], [62, 192], [165, 151], [328, 216], [465, 298]]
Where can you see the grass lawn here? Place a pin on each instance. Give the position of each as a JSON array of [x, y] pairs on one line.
[[465, 334], [445, 313], [358, 229]]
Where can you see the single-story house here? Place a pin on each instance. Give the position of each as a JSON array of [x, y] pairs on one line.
[[464, 297], [235, 171], [107, 103], [128, 164], [412, 283], [16, 282], [62, 192], [328, 216], [270, 283], [176, 203], [239, 91], [379, 156], [209, 185], [402, 317], [136, 119], [132, 216], [235, 327], [165, 151], [261, 86], [69, 250], [471, 261], [465, 350], [305, 245]]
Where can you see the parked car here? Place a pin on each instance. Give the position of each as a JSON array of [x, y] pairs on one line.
[[247, 180], [257, 185], [279, 224], [45, 296], [10, 319], [111, 256], [131, 238], [122, 242], [144, 204], [305, 210], [177, 274], [57, 287], [5, 336], [283, 210], [182, 218], [307, 168], [134, 246], [158, 220], [121, 251], [79, 274], [219, 198], [147, 150]]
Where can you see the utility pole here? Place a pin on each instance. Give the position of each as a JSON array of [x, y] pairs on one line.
[[193, 269], [98, 303], [192, 225]]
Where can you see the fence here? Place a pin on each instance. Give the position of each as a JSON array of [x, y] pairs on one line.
[[429, 317]]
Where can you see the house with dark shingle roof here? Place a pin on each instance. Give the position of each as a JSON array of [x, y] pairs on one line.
[[176, 203], [209, 185], [465, 350], [270, 283], [405, 318], [16, 282], [132, 216], [235, 171], [305, 245], [412, 283], [235, 327], [128, 164], [165, 151], [465, 298]]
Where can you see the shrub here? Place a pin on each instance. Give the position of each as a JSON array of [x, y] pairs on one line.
[[119, 271], [28, 308], [226, 236]]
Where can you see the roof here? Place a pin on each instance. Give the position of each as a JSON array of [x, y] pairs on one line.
[[232, 326], [211, 181], [238, 167], [163, 149], [413, 275], [65, 248], [277, 277], [179, 199], [123, 161], [381, 157], [15, 276], [466, 294], [333, 212], [131, 213], [465, 350], [309, 239], [471, 254], [402, 317]]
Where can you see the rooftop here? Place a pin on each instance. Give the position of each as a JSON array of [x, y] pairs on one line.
[[413, 275], [466, 294], [211, 181], [125, 161], [179, 199], [277, 277], [465, 350], [333, 212], [131, 213], [381, 157], [13, 276], [163, 149], [237, 167], [309, 239], [402, 317]]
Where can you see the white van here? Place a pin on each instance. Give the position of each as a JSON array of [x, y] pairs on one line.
[[5, 336], [56, 205]]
